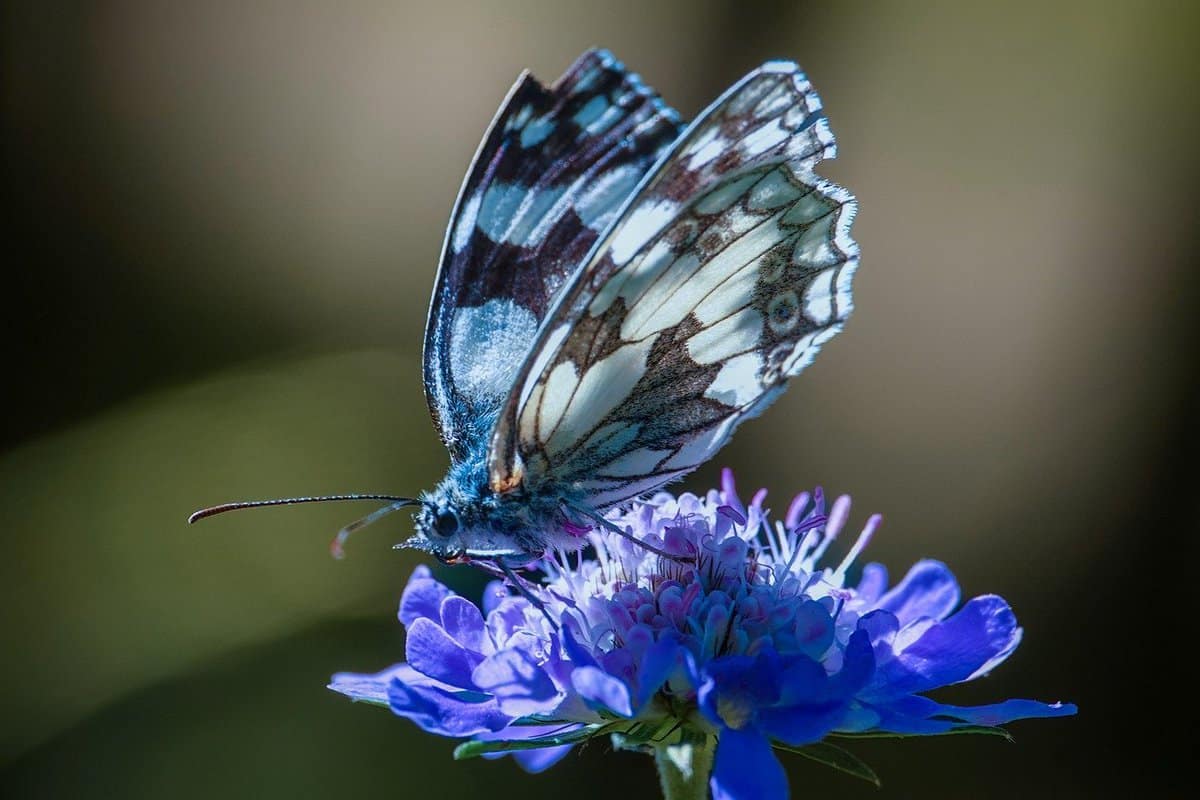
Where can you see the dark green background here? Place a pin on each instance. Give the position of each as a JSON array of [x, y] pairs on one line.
[[222, 229]]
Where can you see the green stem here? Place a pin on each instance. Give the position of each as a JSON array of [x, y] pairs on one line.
[[683, 769]]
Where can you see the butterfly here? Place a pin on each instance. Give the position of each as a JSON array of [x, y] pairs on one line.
[[617, 292]]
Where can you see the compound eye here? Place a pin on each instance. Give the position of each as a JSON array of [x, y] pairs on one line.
[[445, 523]]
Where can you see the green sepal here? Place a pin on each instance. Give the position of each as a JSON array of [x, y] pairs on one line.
[[474, 748], [979, 730], [833, 756], [381, 703]]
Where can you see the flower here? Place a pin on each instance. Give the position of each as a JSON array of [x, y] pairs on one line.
[[705, 621]]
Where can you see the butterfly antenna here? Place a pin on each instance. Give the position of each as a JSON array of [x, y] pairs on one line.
[[337, 546], [212, 511]]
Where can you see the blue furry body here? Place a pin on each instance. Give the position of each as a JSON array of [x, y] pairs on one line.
[[516, 527]]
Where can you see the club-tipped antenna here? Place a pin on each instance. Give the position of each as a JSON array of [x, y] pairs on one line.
[[212, 511]]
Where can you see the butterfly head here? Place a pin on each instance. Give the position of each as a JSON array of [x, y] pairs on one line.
[[462, 521]]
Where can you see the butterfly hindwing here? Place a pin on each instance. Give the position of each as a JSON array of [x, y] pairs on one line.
[[720, 279], [549, 177]]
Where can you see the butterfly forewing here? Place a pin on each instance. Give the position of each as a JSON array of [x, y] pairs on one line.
[[549, 177], [721, 277]]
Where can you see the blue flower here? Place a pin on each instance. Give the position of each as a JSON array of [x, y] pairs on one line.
[[740, 638]]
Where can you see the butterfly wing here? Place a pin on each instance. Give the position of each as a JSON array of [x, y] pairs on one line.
[[720, 279], [548, 178]]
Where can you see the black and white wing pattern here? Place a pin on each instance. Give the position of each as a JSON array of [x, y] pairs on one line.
[[548, 179], [720, 279]]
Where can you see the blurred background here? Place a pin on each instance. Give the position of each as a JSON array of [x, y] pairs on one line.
[[222, 231]]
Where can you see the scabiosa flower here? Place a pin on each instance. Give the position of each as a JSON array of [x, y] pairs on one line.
[[707, 626]]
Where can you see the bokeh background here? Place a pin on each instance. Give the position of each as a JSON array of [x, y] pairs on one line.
[[222, 228]]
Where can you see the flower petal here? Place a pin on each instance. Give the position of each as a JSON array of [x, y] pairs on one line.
[[446, 713], [519, 685], [858, 666], [928, 590], [978, 637], [872, 583], [493, 593], [462, 620], [1008, 711], [431, 651], [575, 651], [535, 761], [422, 597], [745, 768], [800, 725], [602, 691], [374, 688], [661, 662]]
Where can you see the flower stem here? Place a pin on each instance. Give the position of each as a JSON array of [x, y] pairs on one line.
[[683, 769]]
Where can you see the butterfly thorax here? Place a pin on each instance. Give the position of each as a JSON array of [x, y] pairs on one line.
[[463, 518]]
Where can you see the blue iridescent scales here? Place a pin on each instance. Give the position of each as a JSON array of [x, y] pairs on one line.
[[618, 292]]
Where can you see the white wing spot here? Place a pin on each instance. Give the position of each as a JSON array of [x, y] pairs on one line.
[[604, 386], [636, 462], [764, 138], [487, 345], [732, 335], [724, 196], [737, 383], [591, 110], [535, 132], [773, 191], [466, 223], [542, 361], [644, 224], [600, 201], [818, 304], [701, 448], [556, 396]]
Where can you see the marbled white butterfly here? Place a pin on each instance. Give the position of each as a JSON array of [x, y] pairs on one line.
[[618, 291]]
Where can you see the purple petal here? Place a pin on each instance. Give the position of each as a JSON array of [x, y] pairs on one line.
[[802, 681], [872, 584], [745, 768], [446, 713], [982, 634], [881, 628], [530, 760], [374, 688], [535, 761], [1008, 711], [659, 664], [431, 651], [858, 666], [506, 618], [799, 725], [422, 597], [463, 622], [519, 685], [928, 590], [602, 691], [493, 593], [575, 651]]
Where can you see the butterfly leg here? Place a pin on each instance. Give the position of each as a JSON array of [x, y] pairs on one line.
[[518, 583], [607, 525]]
